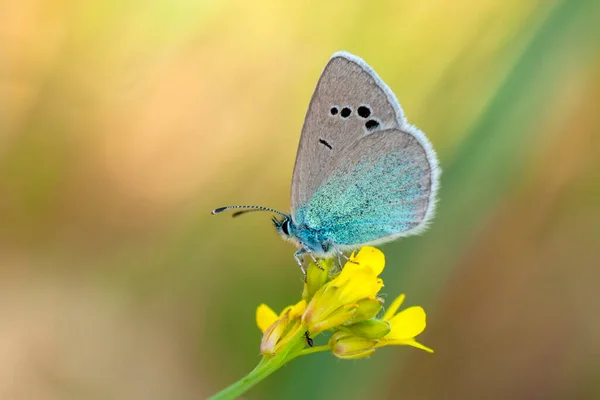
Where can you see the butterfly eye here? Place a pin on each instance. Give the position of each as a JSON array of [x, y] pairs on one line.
[[334, 110], [285, 226]]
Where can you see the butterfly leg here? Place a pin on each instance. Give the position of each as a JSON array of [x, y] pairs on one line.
[[315, 260], [297, 257], [339, 260], [298, 254], [340, 253]]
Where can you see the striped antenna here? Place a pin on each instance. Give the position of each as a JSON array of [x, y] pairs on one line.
[[245, 209]]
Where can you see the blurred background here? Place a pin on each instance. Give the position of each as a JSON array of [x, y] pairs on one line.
[[122, 124]]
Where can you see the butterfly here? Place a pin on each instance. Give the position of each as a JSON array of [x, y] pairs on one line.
[[363, 175]]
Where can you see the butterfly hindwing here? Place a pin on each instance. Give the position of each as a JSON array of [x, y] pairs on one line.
[[382, 187]]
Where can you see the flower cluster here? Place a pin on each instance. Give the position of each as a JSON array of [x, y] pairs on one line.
[[345, 304]]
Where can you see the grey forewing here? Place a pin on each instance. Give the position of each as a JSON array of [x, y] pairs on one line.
[[381, 188], [344, 83]]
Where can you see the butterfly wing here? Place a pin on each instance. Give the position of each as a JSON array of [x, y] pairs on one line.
[[347, 84], [383, 186]]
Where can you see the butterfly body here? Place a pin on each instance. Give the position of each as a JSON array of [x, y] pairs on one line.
[[363, 175], [314, 239]]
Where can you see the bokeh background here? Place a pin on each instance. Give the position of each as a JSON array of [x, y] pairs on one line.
[[122, 123]]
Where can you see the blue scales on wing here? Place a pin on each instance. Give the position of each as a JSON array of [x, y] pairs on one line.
[[381, 189]]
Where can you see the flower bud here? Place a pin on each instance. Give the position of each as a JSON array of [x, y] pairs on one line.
[[370, 329], [316, 278], [350, 347], [367, 309]]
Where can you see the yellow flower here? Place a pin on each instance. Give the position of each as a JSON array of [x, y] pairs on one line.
[[279, 331], [338, 300], [404, 326], [343, 302], [346, 304]]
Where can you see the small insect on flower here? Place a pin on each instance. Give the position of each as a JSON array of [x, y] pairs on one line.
[[363, 174], [309, 340]]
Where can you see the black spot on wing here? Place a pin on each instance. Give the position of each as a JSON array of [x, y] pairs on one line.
[[364, 111], [371, 125], [325, 143]]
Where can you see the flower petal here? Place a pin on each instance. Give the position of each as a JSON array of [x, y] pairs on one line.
[[407, 342], [297, 309], [418, 345], [265, 317], [370, 257], [407, 323], [332, 320], [272, 336], [389, 313], [363, 284]]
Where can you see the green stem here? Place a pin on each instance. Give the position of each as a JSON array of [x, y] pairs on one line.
[[316, 349], [265, 367]]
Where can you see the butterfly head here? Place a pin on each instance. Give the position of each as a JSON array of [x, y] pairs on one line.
[[283, 226]]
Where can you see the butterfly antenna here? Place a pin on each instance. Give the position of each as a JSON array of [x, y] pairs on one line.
[[245, 209]]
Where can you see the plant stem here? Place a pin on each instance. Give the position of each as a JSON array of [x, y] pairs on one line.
[[316, 349], [265, 367]]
